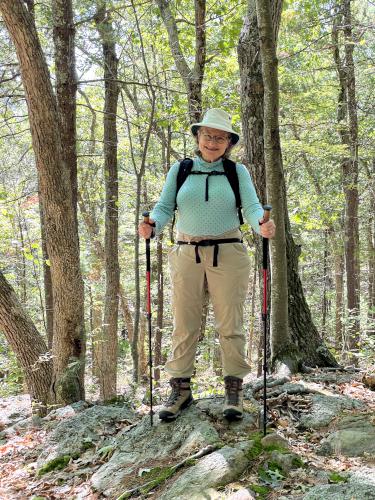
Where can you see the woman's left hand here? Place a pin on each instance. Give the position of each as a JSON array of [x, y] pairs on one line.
[[267, 229]]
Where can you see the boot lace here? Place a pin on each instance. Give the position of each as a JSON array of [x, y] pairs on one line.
[[232, 388], [177, 386], [174, 395]]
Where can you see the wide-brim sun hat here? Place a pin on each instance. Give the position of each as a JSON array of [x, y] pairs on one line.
[[219, 119]]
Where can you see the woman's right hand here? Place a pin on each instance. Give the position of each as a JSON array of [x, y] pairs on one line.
[[145, 230]]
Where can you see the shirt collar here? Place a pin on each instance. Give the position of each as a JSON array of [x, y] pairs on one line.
[[207, 164]]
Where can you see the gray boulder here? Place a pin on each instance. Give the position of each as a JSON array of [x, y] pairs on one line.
[[360, 486], [88, 428], [143, 445], [326, 408], [341, 492], [241, 494], [354, 436], [217, 469]]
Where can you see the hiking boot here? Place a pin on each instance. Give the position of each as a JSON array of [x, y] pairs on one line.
[[179, 399], [233, 405]]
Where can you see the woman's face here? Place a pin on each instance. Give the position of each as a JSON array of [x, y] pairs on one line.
[[212, 143]]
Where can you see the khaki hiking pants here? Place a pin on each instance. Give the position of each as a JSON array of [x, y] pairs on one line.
[[227, 285]]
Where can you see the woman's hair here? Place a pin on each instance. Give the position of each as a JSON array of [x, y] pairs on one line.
[[226, 154]]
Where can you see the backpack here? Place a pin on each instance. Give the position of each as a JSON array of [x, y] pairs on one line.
[[229, 170]]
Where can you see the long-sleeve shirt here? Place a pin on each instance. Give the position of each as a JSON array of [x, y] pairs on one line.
[[198, 217]]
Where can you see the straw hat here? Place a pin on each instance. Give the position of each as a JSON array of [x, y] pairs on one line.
[[216, 118]]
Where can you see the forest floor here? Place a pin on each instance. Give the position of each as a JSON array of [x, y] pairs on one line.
[[22, 440]]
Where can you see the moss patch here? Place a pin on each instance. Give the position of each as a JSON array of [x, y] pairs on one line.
[[297, 462], [335, 477], [87, 444], [276, 447], [55, 464], [161, 475], [257, 448], [261, 491]]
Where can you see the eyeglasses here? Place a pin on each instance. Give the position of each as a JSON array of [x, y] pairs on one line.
[[213, 138]]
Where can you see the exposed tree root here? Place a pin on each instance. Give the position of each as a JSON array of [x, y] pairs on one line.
[[150, 485]]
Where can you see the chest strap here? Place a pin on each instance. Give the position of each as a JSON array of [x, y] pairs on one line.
[[208, 175], [209, 243]]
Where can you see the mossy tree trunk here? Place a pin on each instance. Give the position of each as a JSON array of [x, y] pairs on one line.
[[56, 193], [302, 329], [108, 346], [28, 345]]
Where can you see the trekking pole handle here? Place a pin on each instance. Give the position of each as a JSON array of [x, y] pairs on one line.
[[146, 217], [267, 213]]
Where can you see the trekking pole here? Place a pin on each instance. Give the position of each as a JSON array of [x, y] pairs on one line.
[[148, 285], [266, 217]]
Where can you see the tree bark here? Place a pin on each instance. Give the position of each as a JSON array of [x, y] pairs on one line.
[[47, 278], [281, 347], [109, 341], [339, 300], [350, 177], [371, 251], [55, 190], [303, 331], [348, 123], [28, 346], [66, 86]]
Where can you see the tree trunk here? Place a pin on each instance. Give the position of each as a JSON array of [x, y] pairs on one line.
[[303, 331], [47, 278], [326, 285], [281, 347], [126, 314], [28, 346], [21, 267], [350, 177], [66, 89], [109, 344], [192, 78], [347, 119], [56, 193], [134, 346], [339, 309], [96, 324], [371, 252], [66, 86]]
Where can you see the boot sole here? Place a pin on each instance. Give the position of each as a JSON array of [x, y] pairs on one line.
[[169, 417]]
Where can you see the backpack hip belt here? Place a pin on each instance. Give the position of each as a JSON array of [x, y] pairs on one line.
[[209, 243]]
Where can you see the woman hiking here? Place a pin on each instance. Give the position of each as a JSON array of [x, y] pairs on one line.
[[209, 244]]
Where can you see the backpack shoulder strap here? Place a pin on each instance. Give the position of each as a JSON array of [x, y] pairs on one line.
[[184, 170], [230, 170]]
